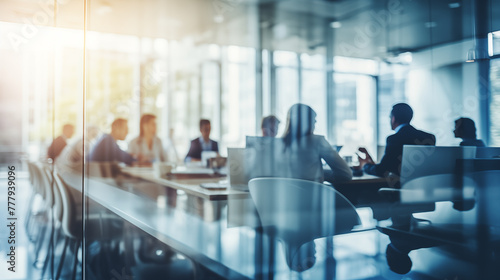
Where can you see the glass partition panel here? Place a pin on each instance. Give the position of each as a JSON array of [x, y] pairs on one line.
[[113, 92]]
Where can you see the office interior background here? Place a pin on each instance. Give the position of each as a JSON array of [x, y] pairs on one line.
[[235, 61]]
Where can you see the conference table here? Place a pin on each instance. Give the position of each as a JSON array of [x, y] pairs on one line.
[[218, 229]]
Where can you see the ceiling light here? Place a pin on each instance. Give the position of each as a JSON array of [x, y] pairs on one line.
[[335, 24], [454, 5]]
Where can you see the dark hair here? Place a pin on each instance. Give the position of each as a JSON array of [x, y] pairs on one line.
[[402, 113], [204, 122], [118, 122], [267, 121], [144, 120], [465, 128], [299, 122]]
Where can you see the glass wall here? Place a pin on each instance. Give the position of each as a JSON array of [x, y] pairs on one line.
[[129, 203]]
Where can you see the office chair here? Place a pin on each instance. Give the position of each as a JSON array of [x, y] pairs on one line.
[[443, 174], [99, 226], [37, 191], [297, 211]]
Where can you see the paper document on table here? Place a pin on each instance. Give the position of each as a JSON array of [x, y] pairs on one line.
[[193, 170]]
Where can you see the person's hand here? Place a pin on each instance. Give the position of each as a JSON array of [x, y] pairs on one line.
[[366, 160]]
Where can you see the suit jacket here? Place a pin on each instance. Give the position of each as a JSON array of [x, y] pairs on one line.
[[196, 149], [391, 162], [56, 147]]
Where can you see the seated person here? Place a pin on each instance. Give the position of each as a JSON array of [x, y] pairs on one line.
[[106, 148], [60, 142], [73, 154], [303, 150], [269, 126], [466, 129], [147, 147], [203, 143], [406, 134]]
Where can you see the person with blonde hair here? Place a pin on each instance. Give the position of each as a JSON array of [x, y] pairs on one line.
[[303, 150], [147, 147]]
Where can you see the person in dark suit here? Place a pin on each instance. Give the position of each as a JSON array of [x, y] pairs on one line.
[[406, 134], [60, 142], [203, 143], [466, 129]]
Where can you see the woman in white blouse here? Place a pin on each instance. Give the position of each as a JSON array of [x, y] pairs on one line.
[[147, 147]]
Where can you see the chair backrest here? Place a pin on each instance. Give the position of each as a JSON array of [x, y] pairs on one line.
[[69, 214], [487, 152], [299, 211], [31, 173], [420, 161], [431, 172], [57, 201], [43, 183]]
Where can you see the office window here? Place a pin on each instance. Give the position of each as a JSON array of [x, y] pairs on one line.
[[494, 43], [113, 83], [287, 91], [316, 61], [314, 95], [266, 83], [238, 97], [284, 58], [391, 90], [355, 65], [210, 95], [495, 103], [355, 117]]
